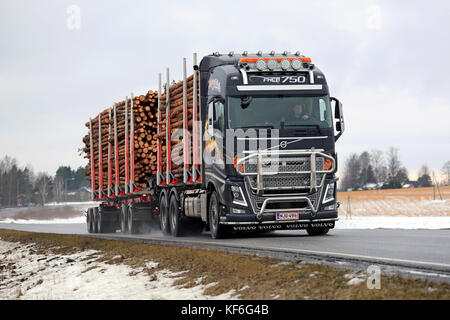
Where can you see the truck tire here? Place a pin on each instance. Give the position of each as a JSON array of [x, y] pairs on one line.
[[176, 226], [132, 225], [89, 220], [317, 231], [94, 220], [123, 219], [164, 215], [217, 231], [104, 222]]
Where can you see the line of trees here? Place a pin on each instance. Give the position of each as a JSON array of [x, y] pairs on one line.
[[21, 186], [378, 169]]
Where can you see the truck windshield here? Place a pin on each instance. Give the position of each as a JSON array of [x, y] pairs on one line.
[[280, 111]]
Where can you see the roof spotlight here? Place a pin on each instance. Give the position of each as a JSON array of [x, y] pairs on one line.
[[245, 53], [231, 53], [272, 64], [272, 53], [285, 53], [297, 53], [261, 64], [285, 64], [259, 53], [296, 64]]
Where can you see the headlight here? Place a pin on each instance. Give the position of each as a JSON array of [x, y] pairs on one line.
[[238, 196], [329, 193]]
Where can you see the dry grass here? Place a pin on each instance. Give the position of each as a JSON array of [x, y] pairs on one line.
[[251, 277], [396, 202]]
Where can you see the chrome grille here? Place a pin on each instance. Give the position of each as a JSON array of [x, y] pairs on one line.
[[284, 172]]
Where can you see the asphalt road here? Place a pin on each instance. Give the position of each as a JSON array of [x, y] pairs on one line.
[[416, 251]]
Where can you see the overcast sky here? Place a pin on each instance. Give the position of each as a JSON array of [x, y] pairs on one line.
[[387, 61]]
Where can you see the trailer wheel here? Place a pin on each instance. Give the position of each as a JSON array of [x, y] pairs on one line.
[[123, 219], [94, 220], [217, 231], [164, 215], [317, 231], [104, 223], [132, 225], [175, 217], [89, 220]]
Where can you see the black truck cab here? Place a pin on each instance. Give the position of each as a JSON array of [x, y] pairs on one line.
[[269, 141]]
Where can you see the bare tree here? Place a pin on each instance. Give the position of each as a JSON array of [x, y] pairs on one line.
[[446, 170], [59, 188], [43, 185], [351, 172], [393, 162], [378, 165]]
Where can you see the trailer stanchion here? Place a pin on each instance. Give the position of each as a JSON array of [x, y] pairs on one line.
[[91, 147], [127, 176], [110, 191], [101, 195], [133, 188], [187, 177], [169, 176], [159, 175], [117, 189], [196, 176]]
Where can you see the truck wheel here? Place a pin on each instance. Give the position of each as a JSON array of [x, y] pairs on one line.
[[100, 222], [132, 225], [94, 220], [317, 231], [164, 215], [123, 219], [217, 230], [89, 220], [175, 217]]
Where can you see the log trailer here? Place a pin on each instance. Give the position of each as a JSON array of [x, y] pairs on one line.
[[257, 153]]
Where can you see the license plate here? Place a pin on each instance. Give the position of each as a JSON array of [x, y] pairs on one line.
[[286, 215]]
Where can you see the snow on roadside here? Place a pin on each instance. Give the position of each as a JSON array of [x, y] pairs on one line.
[[80, 219], [390, 222], [24, 274]]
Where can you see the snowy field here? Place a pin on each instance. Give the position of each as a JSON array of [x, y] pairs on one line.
[[25, 274]]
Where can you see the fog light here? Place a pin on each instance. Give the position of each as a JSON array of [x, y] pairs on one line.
[[235, 210], [332, 207]]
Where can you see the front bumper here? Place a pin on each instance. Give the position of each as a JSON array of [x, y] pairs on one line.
[[249, 222]]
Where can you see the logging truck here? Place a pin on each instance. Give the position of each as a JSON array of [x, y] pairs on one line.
[[246, 143]]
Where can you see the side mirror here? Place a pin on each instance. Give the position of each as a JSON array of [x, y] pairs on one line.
[[338, 114], [211, 116]]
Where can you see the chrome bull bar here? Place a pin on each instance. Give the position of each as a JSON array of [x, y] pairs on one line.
[[277, 199]]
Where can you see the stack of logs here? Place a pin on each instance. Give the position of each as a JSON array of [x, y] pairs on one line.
[[176, 124], [145, 149], [145, 137]]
